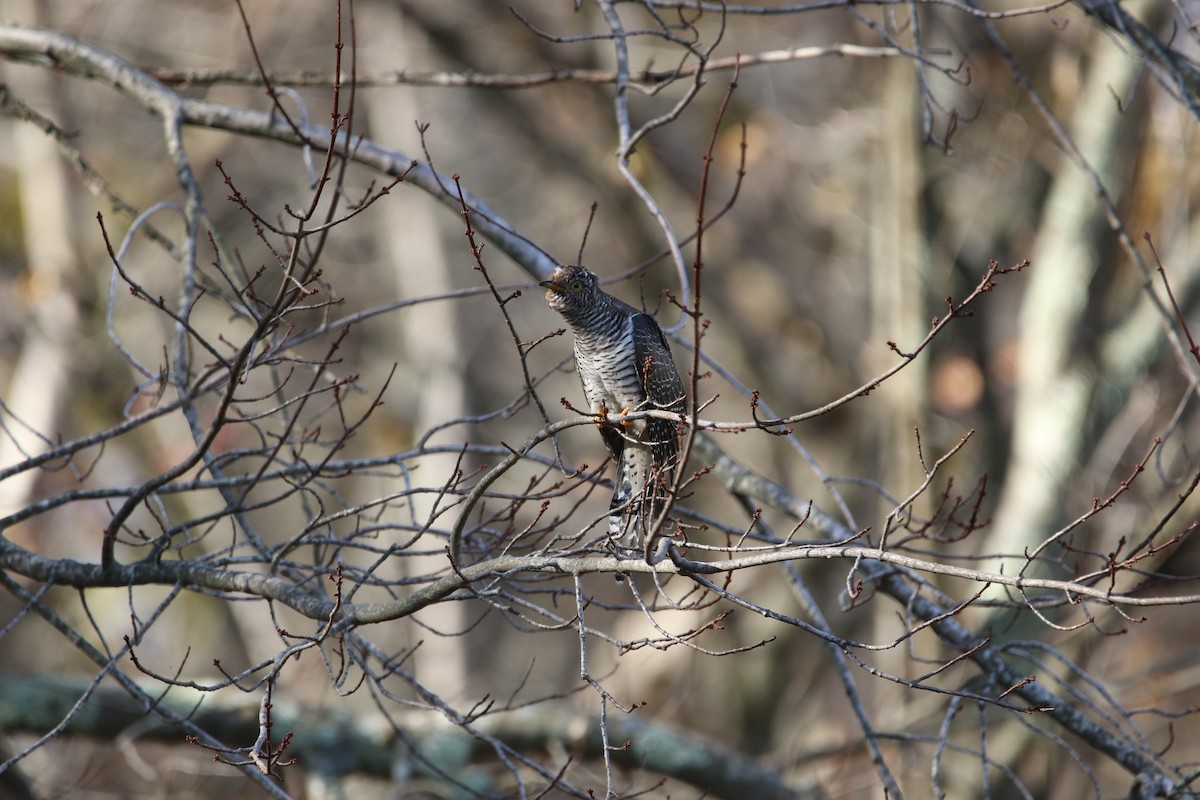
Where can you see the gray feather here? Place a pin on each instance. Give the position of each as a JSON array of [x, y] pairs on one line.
[[624, 362]]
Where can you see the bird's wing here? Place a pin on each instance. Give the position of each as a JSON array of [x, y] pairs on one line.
[[656, 369], [663, 389]]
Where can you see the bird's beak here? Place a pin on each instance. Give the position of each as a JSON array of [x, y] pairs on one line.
[[552, 286]]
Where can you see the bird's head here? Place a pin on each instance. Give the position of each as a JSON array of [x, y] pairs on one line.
[[571, 288]]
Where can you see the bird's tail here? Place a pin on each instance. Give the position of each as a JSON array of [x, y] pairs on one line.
[[638, 503], [622, 521]]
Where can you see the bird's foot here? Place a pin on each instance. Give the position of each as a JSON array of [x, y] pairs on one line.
[[602, 417]]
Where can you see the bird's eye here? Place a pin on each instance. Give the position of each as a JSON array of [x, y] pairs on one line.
[[576, 286]]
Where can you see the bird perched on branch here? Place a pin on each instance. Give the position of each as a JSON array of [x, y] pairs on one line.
[[626, 366]]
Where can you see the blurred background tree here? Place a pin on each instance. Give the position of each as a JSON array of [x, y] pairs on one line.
[[284, 463]]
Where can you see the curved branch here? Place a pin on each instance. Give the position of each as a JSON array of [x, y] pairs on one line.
[[73, 57]]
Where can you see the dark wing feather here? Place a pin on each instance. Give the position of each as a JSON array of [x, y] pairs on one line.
[[663, 387], [656, 368]]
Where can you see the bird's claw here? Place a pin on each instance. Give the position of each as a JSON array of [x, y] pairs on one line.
[[602, 417]]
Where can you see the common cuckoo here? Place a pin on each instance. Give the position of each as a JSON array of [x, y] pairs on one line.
[[625, 365]]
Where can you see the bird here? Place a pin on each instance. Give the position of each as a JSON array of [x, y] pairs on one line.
[[625, 365]]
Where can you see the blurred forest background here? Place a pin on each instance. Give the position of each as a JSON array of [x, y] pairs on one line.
[[890, 151]]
